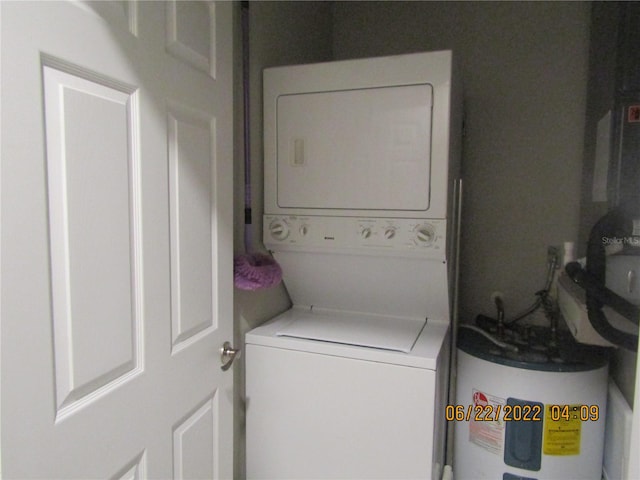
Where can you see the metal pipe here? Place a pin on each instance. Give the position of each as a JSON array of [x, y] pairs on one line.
[[499, 343]]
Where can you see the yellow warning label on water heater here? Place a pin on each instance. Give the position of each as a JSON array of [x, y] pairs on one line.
[[561, 431]]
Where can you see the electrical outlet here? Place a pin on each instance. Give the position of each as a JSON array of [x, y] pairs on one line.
[[496, 295]]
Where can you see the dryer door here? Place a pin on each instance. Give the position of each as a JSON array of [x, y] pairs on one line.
[[360, 149]]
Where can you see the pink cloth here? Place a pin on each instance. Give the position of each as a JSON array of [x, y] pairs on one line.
[[255, 271]]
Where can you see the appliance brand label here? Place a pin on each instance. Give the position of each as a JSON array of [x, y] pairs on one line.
[[487, 434]]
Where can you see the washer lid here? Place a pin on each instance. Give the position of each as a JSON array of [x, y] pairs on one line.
[[364, 330]]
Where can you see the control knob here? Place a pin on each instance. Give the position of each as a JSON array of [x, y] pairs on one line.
[[424, 235], [389, 233], [365, 233], [279, 230]]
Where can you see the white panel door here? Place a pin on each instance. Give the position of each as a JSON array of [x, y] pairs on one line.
[[116, 286]]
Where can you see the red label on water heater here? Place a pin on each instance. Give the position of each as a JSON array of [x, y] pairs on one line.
[[479, 398], [487, 434], [633, 115]]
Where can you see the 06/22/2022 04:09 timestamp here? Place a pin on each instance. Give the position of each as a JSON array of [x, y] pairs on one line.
[[518, 413]]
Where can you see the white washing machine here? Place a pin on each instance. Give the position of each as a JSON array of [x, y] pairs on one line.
[[319, 407], [360, 162]]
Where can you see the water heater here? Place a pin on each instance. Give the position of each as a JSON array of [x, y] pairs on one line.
[[529, 415]]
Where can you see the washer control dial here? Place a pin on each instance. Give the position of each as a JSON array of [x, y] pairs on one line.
[[424, 234], [279, 229], [389, 233], [365, 233]]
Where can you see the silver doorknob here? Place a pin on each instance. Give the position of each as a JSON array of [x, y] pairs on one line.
[[228, 355]]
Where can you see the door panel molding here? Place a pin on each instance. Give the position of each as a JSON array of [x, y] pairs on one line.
[[93, 162]]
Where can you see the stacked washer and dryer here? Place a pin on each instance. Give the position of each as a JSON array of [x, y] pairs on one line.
[[361, 161]]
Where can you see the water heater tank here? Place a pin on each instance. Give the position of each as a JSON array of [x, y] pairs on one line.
[[530, 415]]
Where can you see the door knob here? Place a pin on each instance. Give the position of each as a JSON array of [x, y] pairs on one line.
[[228, 355]]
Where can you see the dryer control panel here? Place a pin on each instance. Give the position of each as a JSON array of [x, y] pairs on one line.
[[346, 233]]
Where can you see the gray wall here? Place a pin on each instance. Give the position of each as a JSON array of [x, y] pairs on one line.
[[524, 67], [282, 33]]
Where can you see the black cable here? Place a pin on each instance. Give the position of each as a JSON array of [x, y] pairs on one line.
[[539, 301]]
